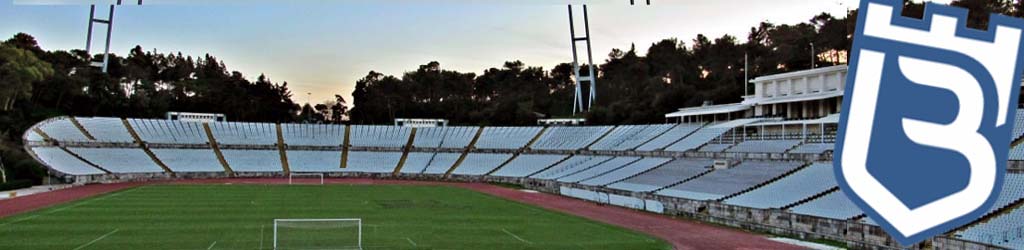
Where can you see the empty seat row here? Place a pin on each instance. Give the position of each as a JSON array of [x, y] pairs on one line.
[[570, 166], [627, 171], [599, 169], [244, 133], [119, 160], [813, 148], [669, 137], [666, 175], [436, 163], [62, 129], [444, 137], [629, 137], [812, 180], [481, 163], [570, 137], [764, 146], [834, 205], [379, 136], [105, 129], [1003, 230], [313, 134], [506, 137], [63, 162], [527, 164], [724, 182], [171, 132]]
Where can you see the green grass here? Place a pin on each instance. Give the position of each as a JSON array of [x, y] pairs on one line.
[[240, 217]]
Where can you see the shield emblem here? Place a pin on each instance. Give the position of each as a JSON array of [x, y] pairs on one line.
[[927, 116]]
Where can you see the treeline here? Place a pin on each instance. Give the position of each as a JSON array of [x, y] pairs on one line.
[[36, 84], [631, 88]]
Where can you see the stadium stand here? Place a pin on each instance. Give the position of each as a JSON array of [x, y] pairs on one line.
[[813, 148], [481, 163], [189, 160], [527, 164], [570, 166], [106, 129], [244, 133], [670, 136], [599, 169], [833, 205], [812, 180], [372, 162], [170, 132], [506, 137], [628, 137], [670, 173], [1017, 152], [630, 170], [570, 137], [444, 137], [261, 160], [706, 134], [62, 129], [119, 160], [313, 134], [764, 146], [313, 161], [440, 163], [61, 161], [714, 147], [379, 136], [1018, 127], [1004, 230], [416, 162], [31, 135], [724, 182]]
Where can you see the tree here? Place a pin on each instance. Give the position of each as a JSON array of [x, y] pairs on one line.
[[19, 69]]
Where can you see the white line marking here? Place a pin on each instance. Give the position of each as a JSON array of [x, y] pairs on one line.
[[97, 239], [411, 242], [211, 245], [516, 236], [261, 237]]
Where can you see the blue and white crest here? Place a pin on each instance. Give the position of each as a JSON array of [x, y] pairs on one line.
[[928, 110]]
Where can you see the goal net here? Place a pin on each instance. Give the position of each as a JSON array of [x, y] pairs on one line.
[[318, 234], [306, 178]]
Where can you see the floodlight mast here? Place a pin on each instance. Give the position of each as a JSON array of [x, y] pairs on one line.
[[578, 104], [110, 30]]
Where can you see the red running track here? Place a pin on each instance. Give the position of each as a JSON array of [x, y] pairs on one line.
[[682, 234]]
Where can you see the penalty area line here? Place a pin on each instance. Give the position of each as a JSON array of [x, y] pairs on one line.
[[211, 245], [97, 239], [413, 243], [516, 236]]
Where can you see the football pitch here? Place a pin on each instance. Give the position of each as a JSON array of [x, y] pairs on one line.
[[223, 216]]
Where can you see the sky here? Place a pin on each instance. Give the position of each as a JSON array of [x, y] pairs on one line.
[[321, 48]]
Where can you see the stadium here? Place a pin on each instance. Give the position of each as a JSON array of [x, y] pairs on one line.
[[752, 174]]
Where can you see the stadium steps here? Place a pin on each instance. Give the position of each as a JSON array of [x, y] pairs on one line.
[[581, 170], [282, 150], [405, 153], [536, 137], [138, 140], [514, 155], [87, 162], [784, 175], [45, 136], [551, 166], [606, 133], [802, 142], [345, 146], [216, 150], [609, 171], [702, 126], [644, 172], [81, 128], [683, 181], [1018, 204], [655, 137], [465, 152], [809, 199]]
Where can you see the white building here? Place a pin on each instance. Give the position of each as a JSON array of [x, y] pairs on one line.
[[196, 117], [800, 95]]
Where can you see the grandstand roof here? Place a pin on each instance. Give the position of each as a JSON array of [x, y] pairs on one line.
[[709, 110]]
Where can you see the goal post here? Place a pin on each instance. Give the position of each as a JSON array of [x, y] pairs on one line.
[[318, 234], [297, 178]]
